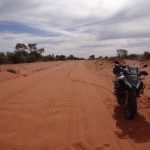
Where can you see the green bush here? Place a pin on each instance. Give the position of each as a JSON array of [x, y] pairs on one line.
[[48, 58], [133, 56], [92, 57], [60, 57], [146, 55], [31, 58], [2, 58]]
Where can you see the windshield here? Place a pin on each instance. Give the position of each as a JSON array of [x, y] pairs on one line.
[[132, 63], [132, 67]]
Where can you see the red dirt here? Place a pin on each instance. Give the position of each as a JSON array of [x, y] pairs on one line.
[[68, 106]]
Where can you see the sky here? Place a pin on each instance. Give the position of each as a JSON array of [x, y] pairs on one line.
[[77, 27]]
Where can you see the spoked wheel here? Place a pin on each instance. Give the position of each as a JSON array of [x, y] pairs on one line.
[[130, 109]]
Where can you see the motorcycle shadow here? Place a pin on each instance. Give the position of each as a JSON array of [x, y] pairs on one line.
[[137, 129]]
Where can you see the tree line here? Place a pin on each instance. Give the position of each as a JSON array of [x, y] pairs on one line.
[[30, 53], [124, 53]]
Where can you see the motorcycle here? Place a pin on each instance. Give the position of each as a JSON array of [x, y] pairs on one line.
[[128, 86]]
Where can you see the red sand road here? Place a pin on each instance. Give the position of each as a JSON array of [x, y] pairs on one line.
[[69, 106]]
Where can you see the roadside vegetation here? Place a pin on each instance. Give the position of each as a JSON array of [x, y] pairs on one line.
[[122, 53], [29, 54]]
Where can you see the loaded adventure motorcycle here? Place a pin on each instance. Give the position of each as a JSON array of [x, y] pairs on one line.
[[128, 86]]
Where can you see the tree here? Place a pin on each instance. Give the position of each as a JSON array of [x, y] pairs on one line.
[[20, 54], [2, 58], [21, 47], [100, 57], [146, 55], [40, 51], [71, 57], [122, 53], [60, 57], [32, 47], [36, 54], [92, 57]]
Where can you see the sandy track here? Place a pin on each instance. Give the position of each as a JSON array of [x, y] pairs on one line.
[[67, 107]]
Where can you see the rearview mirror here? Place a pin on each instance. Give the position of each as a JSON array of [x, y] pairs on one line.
[[144, 73], [145, 66]]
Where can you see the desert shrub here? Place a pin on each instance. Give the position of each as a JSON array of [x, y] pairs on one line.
[[16, 57], [122, 53], [20, 57], [10, 57], [31, 58], [146, 55], [133, 56], [37, 55], [48, 58], [92, 57], [71, 57], [2, 58], [60, 57], [12, 70], [100, 57]]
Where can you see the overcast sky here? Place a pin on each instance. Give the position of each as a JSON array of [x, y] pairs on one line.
[[78, 27]]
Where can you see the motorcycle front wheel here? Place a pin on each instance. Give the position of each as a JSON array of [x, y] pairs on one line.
[[131, 107]]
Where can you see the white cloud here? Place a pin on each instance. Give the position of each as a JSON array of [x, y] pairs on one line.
[[85, 27]]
